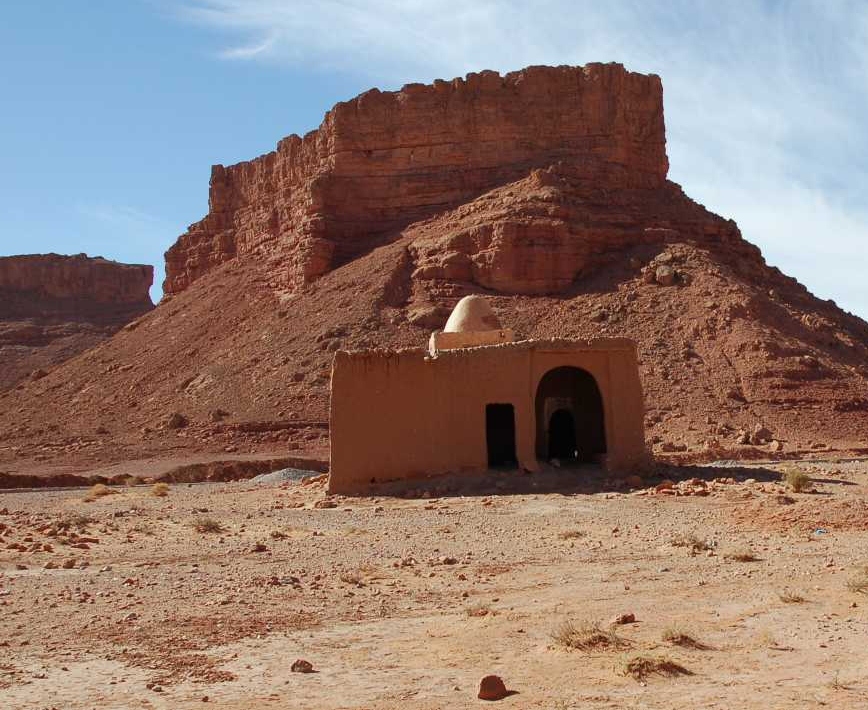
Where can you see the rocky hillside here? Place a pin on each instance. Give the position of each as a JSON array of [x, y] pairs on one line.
[[544, 189], [53, 307]]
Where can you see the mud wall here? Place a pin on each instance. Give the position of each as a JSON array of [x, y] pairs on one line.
[[397, 415]]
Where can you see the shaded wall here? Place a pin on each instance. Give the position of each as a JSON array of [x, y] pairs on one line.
[[397, 415]]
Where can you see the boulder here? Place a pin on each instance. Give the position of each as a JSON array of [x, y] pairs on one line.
[[492, 687]]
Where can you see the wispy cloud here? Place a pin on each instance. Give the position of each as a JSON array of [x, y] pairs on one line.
[[766, 102], [122, 216], [249, 51]]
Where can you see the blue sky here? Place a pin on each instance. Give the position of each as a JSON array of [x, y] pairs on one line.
[[113, 111]]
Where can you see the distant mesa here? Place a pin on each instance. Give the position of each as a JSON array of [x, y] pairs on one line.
[[53, 307]]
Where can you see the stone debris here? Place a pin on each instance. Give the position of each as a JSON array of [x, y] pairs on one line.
[[492, 687], [302, 666]]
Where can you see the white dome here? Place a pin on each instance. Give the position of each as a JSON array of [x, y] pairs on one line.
[[472, 313]]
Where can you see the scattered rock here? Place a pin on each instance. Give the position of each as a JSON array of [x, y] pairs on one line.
[[664, 275], [491, 687], [177, 420], [301, 666], [760, 435]]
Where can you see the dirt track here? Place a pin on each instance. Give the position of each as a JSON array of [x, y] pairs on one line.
[[397, 601]]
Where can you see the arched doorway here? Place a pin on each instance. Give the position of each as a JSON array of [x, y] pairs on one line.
[[570, 423]]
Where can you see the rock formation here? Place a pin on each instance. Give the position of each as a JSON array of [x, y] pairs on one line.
[[53, 307], [545, 190], [386, 159]]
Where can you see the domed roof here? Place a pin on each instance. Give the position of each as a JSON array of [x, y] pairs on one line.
[[472, 313]]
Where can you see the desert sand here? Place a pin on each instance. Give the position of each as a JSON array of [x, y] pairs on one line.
[[749, 592]]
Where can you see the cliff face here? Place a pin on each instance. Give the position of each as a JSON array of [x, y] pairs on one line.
[[384, 160], [53, 307], [76, 278]]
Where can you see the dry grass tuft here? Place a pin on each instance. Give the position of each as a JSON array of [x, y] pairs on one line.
[[692, 541], [355, 531], [99, 491], [354, 578], [161, 490], [571, 534], [859, 582], [586, 637], [741, 554], [766, 639], [207, 525], [796, 479], [79, 521], [788, 597], [679, 637], [640, 667]]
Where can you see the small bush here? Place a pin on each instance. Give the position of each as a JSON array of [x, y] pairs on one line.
[[690, 541], [640, 667], [571, 534], [161, 490], [767, 639], [586, 637], [796, 479], [99, 491], [79, 521], [788, 597], [143, 528], [679, 637], [354, 578], [207, 525], [859, 582], [741, 554]]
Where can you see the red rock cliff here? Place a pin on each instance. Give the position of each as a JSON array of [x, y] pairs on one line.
[[76, 278], [386, 159], [53, 307]]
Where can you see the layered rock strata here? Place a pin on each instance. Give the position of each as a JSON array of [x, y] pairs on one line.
[[53, 307], [386, 159]]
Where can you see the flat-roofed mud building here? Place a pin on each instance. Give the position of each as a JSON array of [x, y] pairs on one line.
[[477, 399]]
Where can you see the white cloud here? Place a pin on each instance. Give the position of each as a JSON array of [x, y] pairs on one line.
[[122, 216], [766, 102]]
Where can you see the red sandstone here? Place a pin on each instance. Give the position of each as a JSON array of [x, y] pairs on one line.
[[53, 307]]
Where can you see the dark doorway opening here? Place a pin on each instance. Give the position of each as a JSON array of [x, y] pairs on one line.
[[500, 434], [570, 422], [562, 435]]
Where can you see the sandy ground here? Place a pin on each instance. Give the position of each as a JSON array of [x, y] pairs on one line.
[[409, 602]]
